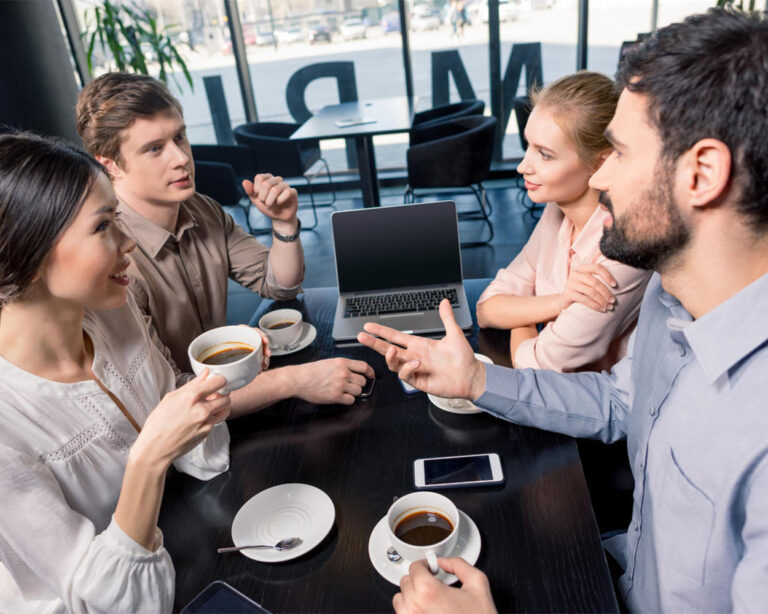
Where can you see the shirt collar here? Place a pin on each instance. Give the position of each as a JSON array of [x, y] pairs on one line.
[[730, 332], [589, 237], [149, 235]]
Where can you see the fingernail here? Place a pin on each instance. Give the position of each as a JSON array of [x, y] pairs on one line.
[[414, 363], [613, 299], [614, 284]]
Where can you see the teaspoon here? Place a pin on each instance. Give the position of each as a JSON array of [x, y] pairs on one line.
[[283, 544]]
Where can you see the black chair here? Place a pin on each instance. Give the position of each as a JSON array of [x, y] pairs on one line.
[[446, 112], [454, 154], [277, 154], [243, 165], [217, 180]]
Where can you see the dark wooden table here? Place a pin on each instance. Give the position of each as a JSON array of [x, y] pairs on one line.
[[540, 544], [390, 115]]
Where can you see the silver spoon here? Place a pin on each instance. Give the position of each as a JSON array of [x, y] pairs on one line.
[[283, 544]]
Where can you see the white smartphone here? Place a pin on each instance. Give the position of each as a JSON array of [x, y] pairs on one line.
[[458, 471]]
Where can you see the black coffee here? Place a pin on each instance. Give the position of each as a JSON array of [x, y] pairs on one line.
[[423, 528], [279, 325], [228, 355]]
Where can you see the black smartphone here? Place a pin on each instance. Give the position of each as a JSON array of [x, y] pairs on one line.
[[220, 598], [368, 388]]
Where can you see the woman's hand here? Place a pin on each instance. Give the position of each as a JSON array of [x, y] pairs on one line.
[[183, 419], [588, 284]]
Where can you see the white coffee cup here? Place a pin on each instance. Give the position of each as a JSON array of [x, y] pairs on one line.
[[241, 371], [430, 502], [287, 335]]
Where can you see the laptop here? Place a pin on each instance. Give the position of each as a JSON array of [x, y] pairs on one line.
[[394, 265]]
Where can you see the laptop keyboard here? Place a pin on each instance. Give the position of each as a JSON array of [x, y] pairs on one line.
[[401, 302]]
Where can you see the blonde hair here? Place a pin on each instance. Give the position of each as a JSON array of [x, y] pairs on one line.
[[583, 104]]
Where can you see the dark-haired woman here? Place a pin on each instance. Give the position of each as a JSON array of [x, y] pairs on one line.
[[90, 418]]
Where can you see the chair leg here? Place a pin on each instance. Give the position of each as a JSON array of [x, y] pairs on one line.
[[485, 207], [313, 205], [331, 202], [408, 195]]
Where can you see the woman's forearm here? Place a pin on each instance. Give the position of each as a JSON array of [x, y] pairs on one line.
[[506, 311], [141, 494]]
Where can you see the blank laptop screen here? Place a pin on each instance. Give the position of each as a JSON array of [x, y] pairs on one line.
[[395, 247]]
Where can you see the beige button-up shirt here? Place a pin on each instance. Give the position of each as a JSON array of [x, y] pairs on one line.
[[180, 279]]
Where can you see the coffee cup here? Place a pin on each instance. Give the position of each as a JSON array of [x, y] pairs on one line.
[[232, 351], [282, 326], [423, 525]]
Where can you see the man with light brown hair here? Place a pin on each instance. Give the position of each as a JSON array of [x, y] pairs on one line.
[[188, 246]]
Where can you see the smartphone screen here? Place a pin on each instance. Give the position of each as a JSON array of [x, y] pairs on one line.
[[457, 469], [218, 598]]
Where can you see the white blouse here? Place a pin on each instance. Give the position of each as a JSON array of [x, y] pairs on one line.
[[63, 451]]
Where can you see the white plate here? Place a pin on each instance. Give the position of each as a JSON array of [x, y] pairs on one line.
[[467, 547], [307, 336], [287, 510], [459, 406]]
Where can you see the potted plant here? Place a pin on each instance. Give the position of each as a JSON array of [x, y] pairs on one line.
[[131, 37]]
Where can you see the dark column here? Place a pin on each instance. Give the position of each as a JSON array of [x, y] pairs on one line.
[[38, 90]]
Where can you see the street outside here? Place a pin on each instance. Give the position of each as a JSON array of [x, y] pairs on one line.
[[379, 65]]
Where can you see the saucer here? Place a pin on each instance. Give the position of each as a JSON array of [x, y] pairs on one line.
[[467, 547], [287, 510], [306, 337], [459, 406]]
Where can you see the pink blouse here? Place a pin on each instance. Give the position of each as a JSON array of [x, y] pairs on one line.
[[579, 337]]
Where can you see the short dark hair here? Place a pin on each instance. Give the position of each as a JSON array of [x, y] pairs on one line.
[[110, 104], [43, 183], [707, 77]]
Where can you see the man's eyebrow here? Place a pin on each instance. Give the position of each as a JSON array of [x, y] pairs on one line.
[[611, 138], [157, 141]]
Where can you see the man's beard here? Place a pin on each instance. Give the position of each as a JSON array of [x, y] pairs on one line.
[[652, 230]]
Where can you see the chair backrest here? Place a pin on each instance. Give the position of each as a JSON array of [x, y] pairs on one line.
[[272, 149], [448, 111], [217, 180], [239, 157], [459, 154], [523, 107]]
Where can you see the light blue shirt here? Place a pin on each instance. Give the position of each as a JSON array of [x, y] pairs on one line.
[[691, 397]]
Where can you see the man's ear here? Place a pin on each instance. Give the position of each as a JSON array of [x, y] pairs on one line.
[[706, 169], [113, 168]]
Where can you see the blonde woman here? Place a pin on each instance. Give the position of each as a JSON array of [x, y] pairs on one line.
[[584, 304]]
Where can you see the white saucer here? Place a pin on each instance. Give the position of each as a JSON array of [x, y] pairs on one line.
[[459, 406], [287, 510], [307, 336], [467, 547]]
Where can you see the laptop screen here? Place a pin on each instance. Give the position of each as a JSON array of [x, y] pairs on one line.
[[397, 247]]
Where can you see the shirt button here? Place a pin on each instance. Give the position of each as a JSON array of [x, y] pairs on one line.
[[681, 349], [635, 526], [652, 410]]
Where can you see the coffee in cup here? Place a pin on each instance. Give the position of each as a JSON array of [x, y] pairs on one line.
[[423, 525], [283, 327], [232, 351]]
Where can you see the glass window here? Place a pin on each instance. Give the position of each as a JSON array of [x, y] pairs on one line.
[[283, 38], [612, 23], [553, 24], [200, 30]]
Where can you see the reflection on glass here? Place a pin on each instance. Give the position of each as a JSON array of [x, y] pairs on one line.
[[554, 24], [309, 32]]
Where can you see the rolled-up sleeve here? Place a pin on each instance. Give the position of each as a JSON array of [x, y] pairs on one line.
[[51, 551], [210, 457], [249, 264], [519, 277], [580, 335], [590, 405]]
